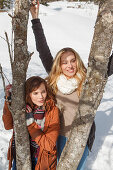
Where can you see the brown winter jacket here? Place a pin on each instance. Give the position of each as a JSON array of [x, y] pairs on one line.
[[8, 124], [46, 139], [47, 158]]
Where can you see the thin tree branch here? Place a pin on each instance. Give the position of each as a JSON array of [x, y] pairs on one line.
[[11, 15], [12, 52], [6, 77], [31, 54], [1, 72], [7, 39], [4, 39]]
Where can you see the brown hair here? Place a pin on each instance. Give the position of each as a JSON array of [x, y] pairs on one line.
[[32, 84]]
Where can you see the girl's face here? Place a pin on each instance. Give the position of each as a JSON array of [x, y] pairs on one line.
[[38, 96], [68, 64]]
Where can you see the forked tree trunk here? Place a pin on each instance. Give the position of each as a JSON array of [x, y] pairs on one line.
[[93, 88], [19, 67]]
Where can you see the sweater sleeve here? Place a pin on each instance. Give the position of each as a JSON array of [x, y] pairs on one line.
[[41, 45], [7, 118], [47, 138], [110, 66]]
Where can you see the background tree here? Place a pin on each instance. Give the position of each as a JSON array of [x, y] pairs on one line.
[[93, 88]]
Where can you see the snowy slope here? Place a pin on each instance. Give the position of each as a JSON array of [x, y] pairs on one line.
[[66, 24]]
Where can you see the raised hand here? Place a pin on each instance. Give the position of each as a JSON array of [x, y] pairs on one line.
[[34, 9]]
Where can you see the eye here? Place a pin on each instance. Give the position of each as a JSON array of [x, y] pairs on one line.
[[44, 91], [63, 62], [73, 60], [35, 93]]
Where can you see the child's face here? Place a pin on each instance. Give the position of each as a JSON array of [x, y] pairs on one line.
[[38, 96]]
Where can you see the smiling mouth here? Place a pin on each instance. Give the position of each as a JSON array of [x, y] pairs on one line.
[[70, 71]]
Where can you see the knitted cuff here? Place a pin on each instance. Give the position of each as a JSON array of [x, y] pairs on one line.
[[29, 118], [34, 21]]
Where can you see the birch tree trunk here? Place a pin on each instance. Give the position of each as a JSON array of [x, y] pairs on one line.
[[19, 67], [93, 88]]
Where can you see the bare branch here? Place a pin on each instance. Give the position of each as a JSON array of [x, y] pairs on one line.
[[10, 15], [1, 72], [31, 54], [10, 55], [4, 39], [12, 38], [6, 77]]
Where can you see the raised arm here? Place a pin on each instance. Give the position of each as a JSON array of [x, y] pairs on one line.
[[41, 43], [110, 66]]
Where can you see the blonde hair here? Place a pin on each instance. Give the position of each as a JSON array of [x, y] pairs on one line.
[[56, 70]]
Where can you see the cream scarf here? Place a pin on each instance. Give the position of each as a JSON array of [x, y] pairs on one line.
[[67, 86]]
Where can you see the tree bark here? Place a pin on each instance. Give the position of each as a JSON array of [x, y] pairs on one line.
[[93, 88], [19, 68]]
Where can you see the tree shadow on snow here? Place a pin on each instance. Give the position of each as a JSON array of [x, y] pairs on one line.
[[104, 122]]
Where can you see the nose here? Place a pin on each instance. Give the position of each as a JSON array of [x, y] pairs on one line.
[[70, 65], [40, 95]]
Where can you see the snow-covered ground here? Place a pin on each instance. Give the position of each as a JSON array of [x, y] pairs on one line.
[[66, 24]]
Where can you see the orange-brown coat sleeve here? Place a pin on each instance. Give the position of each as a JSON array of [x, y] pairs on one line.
[[47, 138], [7, 118]]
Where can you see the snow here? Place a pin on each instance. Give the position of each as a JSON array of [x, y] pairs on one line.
[[66, 24]]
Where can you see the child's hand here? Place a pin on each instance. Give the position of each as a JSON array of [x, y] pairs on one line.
[[34, 9]]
